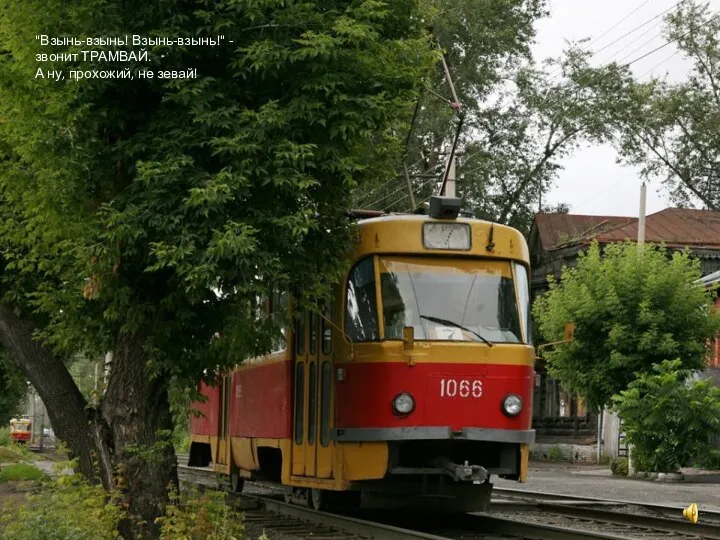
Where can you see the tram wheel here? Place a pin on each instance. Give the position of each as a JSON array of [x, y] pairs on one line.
[[237, 482], [287, 495], [318, 499]]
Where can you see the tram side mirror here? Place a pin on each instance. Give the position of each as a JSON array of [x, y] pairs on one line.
[[408, 338]]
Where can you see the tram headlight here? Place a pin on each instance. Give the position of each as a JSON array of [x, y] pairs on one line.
[[512, 405], [403, 403]]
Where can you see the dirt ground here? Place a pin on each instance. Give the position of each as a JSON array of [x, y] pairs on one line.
[[596, 481]]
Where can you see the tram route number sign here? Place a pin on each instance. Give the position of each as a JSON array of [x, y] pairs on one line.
[[464, 388]]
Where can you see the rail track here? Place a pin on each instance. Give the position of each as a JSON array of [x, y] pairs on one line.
[[635, 507], [527, 520], [629, 519]]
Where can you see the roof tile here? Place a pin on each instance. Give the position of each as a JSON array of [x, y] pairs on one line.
[[672, 226]]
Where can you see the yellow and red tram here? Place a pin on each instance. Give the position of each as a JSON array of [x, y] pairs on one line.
[[414, 386], [21, 429]]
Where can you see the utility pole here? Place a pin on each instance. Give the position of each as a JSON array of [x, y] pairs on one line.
[[42, 431], [641, 220], [32, 425], [640, 246]]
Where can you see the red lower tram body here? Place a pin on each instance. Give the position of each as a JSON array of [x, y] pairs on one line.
[[340, 433]]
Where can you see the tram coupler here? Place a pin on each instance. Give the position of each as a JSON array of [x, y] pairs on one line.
[[465, 472]]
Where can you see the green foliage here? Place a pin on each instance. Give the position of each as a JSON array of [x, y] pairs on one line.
[[669, 418], [13, 389], [20, 471], [555, 454], [181, 397], [519, 122], [12, 452], [89, 375], [619, 467], [5, 439], [64, 509], [8, 454], [165, 206], [631, 310], [200, 516]]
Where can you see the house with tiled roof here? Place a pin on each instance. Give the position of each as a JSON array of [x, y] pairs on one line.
[[555, 240]]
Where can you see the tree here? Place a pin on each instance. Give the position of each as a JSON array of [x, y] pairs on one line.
[[144, 215], [668, 129], [517, 122], [13, 389], [631, 309], [669, 418]]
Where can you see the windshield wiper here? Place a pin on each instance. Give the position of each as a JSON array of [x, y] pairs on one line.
[[456, 325]]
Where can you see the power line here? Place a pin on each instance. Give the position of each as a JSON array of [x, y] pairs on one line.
[[636, 49], [638, 38], [659, 64], [606, 32], [637, 28], [670, 42], [626, 34]]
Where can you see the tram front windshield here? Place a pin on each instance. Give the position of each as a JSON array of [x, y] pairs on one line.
[[442, 299]]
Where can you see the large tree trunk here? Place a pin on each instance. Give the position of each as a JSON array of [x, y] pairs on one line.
[[137, 412], [65, 404], [124, 437]]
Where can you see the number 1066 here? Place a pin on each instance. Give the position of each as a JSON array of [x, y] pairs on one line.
[[460, 388]]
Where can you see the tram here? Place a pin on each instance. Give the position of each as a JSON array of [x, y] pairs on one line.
[[413, 387], [21, 429]]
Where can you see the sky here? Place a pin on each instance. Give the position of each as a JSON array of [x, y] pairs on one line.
[[592, 182]]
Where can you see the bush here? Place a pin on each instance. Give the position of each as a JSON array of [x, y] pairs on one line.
[[555, 454], [200, 516], [9, 455], [619, 467], [67, 508], [669, 418], [5, 439], [70, 509], [20, 471]]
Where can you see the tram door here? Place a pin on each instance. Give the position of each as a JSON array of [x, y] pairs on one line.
[[299, 394], [222, 450], [312, 455]]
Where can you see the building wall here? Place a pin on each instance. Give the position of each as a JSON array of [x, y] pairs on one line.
[[714, 359]]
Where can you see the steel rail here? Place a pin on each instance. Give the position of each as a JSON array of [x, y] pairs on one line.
[[549, 496], [478, 526], [709, 532], [496, 525], [335, 521]]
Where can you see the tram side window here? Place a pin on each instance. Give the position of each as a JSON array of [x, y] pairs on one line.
[[523, 286], [299, 402], [361, 308], [325, 382], [508, 311], [312, 402]]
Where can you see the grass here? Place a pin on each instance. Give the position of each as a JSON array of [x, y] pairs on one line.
[[20, 471], [8, 454]]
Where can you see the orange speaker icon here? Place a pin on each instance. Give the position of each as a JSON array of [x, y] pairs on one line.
[[691, 513]]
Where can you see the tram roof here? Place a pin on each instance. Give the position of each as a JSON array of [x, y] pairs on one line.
[[395, 233]]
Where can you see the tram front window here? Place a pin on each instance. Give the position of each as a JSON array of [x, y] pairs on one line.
[[443, 299]]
